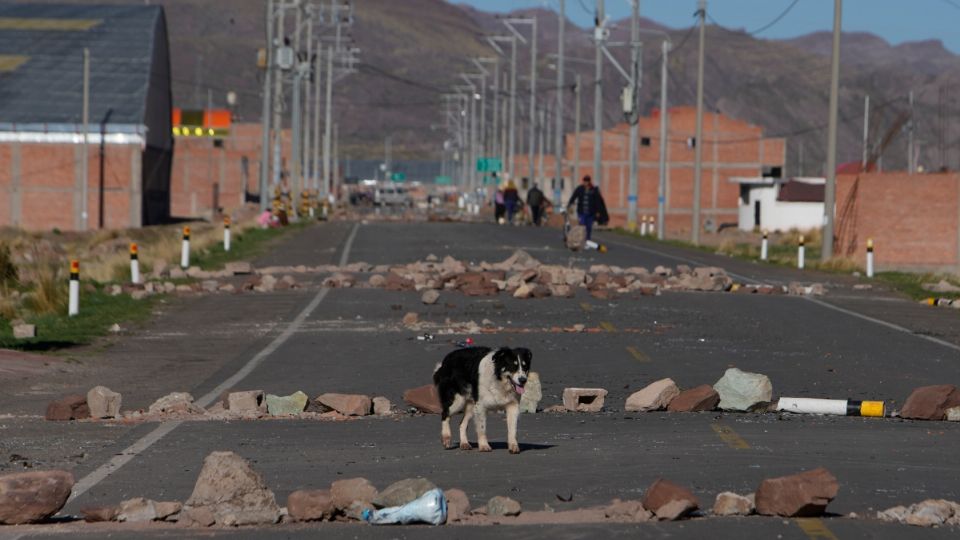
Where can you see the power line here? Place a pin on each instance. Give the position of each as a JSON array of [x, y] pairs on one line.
[[778, 18]]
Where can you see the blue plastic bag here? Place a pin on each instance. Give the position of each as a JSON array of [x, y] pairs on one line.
[[431, 508]]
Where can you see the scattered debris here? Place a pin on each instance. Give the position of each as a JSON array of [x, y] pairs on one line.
[[458, 504], [731, 504], [33, 496], [503, 506], [382, 406], [99, 514], [701, 398], [346, 492], [629, 511], [928, 513], [311, 505], [72, 407], [583, 399], [103, 402], [175, 403], [740, 390], [669, 501], [402, 492], [347, 404], [654, 397], [248, 401], [806, 494], [931, 402], [429, 508], [410, 319], [424, 399], [430, 297], [286, 405], [231, 492]]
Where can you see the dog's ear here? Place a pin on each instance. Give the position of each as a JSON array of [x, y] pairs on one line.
[[525, 356]]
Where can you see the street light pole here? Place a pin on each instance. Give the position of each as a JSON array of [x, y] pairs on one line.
[[829, 194], [662, 190], [698, 143], [265, 113], [558, 130], [599, 37], [576, 130], [632, 114]]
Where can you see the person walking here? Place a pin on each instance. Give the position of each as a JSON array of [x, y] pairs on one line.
[[511, 199], [536, 200], [590, 205], [498, 208]]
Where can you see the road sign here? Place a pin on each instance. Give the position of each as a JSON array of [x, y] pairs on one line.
[[489, 164], [443, 180], [398, 176]]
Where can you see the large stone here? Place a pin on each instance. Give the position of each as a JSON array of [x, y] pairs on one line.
[[346, 492], [311, 505], [430, 297], [33, 496], [731, 504], [653, 397], [931, 513], [402, 492], [953, 414], [411, 319], [701, 398], [584, 399], [237, 268], [72, 407], [137, 510], [931, 402], [99, 513], [175, 402], [247, 401], [662, 493], [103, 402], [233, 492], [523, 291], [424, 399], [630, 511], [532, 393], [503, 506], [24, 331], [287, 405], [382, 406], [167, 509], [458, 504], [806, 494], [348, 404], [740, 390]]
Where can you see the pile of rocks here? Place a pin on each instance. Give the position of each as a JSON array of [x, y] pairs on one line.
[[102, 403], [928, 513], [209, 282], [736, 391]]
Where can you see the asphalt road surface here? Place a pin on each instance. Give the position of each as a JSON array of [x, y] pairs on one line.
[[849, 344]]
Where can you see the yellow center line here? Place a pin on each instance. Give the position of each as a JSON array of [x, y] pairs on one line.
[[637, 354], [815, 529], [729, 436], [608, 326], [586, 307]]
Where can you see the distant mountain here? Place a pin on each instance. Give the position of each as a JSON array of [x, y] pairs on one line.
[[412, 50]]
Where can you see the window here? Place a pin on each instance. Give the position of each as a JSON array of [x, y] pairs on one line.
[[644, 141], [773, 171]]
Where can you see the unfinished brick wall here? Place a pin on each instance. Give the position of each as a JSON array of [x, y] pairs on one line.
[[914, 220]]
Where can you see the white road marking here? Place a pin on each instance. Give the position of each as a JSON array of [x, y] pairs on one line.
[[148, 440]]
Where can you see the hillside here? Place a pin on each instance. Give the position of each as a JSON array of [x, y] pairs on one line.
[[412, 49]]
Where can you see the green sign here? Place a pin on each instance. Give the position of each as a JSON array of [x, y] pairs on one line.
[[443, 180], [489, 164], [398, 176]]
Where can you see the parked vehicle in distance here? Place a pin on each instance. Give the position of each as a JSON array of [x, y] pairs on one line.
[[391, 195]]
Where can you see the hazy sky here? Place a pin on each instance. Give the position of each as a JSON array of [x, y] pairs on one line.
[[894, 20]]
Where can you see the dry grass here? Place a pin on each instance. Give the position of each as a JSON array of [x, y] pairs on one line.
[[50, 293]]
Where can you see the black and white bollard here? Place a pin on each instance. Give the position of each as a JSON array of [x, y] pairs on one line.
[[73, 306], [652, 229], [226, 233], [869, 257], [839, 407], [764, 247], [185, 249], [801, 254], [134, 264]]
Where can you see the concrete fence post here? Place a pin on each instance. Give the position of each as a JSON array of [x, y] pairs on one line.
[[764, 247], [226, 233]]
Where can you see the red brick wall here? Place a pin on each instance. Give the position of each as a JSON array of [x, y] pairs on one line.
[[914, 220]]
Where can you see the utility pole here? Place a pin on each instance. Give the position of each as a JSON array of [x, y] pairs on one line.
[[336, 150], [576, 131], [599, 36], [830, 191], [558, 129], [317, 73], [664, 116], [697, 138], [911, 165], [295, 135], [800, 164], [632, 114], [533, 91], [497, 142], [278, 97], [265, 114], [328, 125], [540, 146], [84, 158], [305, 170], [866, 131]]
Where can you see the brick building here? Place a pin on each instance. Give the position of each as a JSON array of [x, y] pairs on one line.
[[914, 220], [129, 145], [731, 148]]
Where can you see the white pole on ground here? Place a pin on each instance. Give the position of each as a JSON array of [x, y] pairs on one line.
[[226, 231], [73, 307], [643, 226], [801, 252], [134, 264], [185, 249], [764, 247], [869, 257], [652, 228]]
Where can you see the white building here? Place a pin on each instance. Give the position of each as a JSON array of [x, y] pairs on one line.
[[778, 204]]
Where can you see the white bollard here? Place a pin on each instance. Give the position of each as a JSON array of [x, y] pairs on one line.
[[652, 228], [226, 232], [643, 226], [73, 307], [764, 247], [869, 257], [185, 249], [840, 407], [801, 252], [134, 264]]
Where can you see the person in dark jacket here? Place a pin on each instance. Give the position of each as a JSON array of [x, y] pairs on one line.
[[511, 199], [536, 200], [590, 205]]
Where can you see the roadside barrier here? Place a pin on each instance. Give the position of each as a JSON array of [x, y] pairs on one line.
[[840, 407], [869, 257], [226, 231], [764, 248], [73, 306], [185, 249], [134, 264], [801, 253]]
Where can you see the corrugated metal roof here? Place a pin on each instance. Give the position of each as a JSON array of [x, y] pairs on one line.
[[41, 77]]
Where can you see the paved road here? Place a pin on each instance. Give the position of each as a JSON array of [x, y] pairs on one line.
[[352, 341]]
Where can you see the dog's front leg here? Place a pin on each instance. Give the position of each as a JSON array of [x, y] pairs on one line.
[[480, 419], [513, 415], [467, 414]]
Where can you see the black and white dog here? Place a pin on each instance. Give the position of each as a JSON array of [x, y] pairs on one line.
[[478, 379]]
